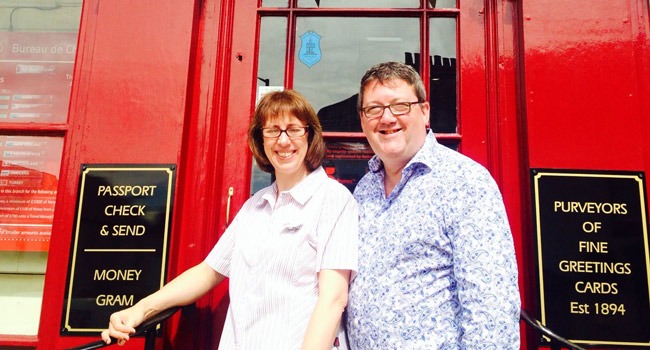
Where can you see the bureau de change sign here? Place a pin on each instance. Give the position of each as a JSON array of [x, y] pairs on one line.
[[592, 255], [119, 243]]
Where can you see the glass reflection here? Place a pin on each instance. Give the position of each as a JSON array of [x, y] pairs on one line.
[[442, 68], [347, 162], [275, 3], [35, 81], [270, 70], [359, 3], [36, 73], [442, 3], [270, 76], [29, 173], [332, 54], [346, 47]]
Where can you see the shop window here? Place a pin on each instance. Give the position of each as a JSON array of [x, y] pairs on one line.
[[329, 54], [362, 3], [275, 3], [373, 4], [331, 84], [37, 50], [442, 76]]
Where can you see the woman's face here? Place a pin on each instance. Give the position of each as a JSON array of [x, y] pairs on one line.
[[286, 154]]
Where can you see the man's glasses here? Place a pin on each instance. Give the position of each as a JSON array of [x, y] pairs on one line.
[[399, 108], [293, 132]]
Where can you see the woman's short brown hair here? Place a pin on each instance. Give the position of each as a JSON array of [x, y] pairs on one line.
[[279, 103]]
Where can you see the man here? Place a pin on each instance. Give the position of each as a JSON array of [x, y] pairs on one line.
[[437, 268]]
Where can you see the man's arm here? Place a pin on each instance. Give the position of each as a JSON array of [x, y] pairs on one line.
[[485, 267]]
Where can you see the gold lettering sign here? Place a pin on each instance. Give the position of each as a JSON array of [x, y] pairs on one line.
[[120, 241], [592, 255]]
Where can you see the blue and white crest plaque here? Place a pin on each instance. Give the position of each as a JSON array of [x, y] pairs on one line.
[[310, 53]]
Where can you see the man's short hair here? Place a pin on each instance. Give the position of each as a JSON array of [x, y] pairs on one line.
[[387, 72]]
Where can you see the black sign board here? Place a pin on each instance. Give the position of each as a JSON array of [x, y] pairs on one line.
[[120, 241], [592, 255]]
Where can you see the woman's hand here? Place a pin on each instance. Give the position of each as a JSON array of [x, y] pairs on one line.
[[182, 290], [122, 324]]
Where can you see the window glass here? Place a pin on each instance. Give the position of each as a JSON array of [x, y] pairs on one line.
[[37, 50], [442, 3], [442, 74], [329, 58], [273, 48], [270, 76], [332, 53], [29, 173], [449, 143], [360, 3], [347, 161], [21, 294], [275, 3]]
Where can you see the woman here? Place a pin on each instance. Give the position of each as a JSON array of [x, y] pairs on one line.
[[290, 252]]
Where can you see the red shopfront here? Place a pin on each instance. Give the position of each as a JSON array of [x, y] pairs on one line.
[[530, 89]]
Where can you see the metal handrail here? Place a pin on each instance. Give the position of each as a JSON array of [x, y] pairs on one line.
[[147, 328], [547, 332]]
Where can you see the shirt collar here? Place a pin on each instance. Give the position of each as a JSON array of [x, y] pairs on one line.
[[304, 190], [425, 155]]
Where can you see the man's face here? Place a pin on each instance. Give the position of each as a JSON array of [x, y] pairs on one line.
[[395, 139]]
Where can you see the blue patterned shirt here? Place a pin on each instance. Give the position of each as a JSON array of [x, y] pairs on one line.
[[437, 267]]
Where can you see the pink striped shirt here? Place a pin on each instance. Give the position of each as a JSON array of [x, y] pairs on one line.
[[272, 252]]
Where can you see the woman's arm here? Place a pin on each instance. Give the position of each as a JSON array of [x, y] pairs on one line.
[[332, 299], [182, 290]]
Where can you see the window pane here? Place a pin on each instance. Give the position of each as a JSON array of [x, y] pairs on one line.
[[360, 3], [270, 77], [270, 70], [20, 296], [37, 50], [275, 3], [332, 53], [449, 143], [29, 173], [442, 3], [38, 41], [347, 162], [442, 86]]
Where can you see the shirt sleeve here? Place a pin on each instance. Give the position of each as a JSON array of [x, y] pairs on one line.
[[220, 256], [338, 228], [485, 268]]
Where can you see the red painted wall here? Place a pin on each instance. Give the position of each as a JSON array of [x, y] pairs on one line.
[[586, 68]]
